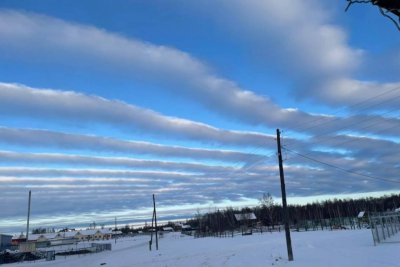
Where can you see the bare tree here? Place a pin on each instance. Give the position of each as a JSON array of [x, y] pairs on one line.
[[388, 8], [267, 202]]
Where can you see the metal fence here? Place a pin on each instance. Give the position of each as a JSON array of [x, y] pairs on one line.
[[385, 227], [101, 247]]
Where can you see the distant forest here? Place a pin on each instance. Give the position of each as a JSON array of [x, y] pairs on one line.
[[329, 213]]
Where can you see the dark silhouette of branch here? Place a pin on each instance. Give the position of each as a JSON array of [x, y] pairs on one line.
[[385, 6], [397, 24], [356, 2]]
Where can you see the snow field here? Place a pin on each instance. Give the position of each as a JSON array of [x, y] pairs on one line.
[[321, 248]]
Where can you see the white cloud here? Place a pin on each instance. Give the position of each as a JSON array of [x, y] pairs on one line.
[[375, 95], [80, 108], [82, 160], [175, 69], [50, 139], [302, 40], [302, 35], [319, 49]]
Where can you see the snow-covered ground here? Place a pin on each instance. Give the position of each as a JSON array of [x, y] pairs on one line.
[[322, 248]]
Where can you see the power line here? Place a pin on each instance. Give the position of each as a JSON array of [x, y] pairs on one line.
[[362, 121], [342, 169], [323, 139], [354, 140], [305, 127]]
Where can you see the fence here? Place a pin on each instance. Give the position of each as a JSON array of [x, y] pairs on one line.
[[101, 247], [385, 226]]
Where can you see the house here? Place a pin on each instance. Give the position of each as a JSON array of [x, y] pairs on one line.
[[90, 234], [18, 239], [168, 229], [247, 221], [107, 233], [66, 237], [115, 233], [43, 237], [45, 240], [94, 234]]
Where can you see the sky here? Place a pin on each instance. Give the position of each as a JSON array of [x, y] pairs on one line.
[[103, 104]]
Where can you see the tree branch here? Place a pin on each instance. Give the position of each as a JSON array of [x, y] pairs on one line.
[[385, 6], [397, 24], [356, 1]]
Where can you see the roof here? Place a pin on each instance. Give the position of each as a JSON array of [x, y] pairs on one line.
[[168, 228], [245, 216], [106, 231], [34, 237], [88, 232], [361, 214], [95, 231], [21, 236], [68, 233]]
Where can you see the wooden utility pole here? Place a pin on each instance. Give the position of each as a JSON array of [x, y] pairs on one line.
[[154, 225], [284, 204], [115, 230], [29, 214], [155, 220]]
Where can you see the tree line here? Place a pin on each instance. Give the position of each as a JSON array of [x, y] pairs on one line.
[[327, 213]]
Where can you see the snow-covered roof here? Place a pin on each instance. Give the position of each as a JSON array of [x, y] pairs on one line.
[[245, 216], [168, 228], [68, 233], [185, 226], [106, 231], [34, 237], [397, 210], [89, 232], [21, 236], [361, 214], [95, 231]]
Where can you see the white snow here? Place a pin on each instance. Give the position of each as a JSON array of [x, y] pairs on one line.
[[350, 248]]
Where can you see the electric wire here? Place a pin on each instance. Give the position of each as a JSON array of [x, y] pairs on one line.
[[351, 107], [326, 138], [340, 168]]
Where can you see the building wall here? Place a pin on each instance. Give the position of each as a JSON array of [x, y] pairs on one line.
[[5, 241]]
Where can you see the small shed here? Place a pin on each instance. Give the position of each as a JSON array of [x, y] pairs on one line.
[[247, 221], [245, 217]]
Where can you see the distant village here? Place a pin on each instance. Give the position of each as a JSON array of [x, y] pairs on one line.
[[50, 238]]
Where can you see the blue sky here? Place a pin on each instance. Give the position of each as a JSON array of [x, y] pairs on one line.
[[104, 103]]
